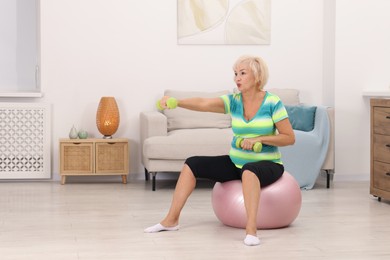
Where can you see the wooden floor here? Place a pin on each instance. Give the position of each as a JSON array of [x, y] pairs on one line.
[[96, 220]]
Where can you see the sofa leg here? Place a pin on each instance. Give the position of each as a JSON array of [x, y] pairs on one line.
[[146, 175], [328, 173], [154, 181], [327, 179]]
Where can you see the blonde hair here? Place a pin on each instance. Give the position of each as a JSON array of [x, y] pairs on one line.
[[258, 67]]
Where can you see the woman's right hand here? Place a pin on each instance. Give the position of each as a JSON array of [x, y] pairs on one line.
[[163, 102]]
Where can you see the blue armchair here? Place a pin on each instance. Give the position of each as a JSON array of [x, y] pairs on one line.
[[305, 159]]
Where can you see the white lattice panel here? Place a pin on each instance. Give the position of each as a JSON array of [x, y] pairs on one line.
[[24, 141]]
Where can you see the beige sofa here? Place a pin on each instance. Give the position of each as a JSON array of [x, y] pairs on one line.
[[169, 137]]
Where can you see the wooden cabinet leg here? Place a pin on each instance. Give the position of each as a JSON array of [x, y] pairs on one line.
[[124, 179], [63, 179]]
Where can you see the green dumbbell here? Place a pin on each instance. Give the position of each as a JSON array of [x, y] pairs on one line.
[[171, 104], [256, 147]]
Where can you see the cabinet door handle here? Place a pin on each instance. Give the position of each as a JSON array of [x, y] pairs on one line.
[[388, 145], [387, 173], [76, 143], [388, 117]]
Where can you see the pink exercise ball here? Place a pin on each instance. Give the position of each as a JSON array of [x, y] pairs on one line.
[[280, 203]]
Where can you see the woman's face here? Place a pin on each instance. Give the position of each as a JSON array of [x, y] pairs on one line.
[[244, 78]]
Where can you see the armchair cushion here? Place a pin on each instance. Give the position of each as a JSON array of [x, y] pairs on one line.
[[180, 118], [302, 117]]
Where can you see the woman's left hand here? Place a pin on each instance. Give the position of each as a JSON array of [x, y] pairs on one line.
[[248, 143]]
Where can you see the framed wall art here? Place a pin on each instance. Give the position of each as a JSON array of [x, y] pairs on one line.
[[223, 21]]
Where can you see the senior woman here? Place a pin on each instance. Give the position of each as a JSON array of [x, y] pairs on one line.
[[257, 116]]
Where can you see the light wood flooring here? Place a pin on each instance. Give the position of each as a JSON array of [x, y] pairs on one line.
[[105, 220]]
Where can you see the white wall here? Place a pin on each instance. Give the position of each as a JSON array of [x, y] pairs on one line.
[[362, 63], [128, 49]]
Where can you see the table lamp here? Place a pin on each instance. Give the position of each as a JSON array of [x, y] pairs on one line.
[[107, 117]]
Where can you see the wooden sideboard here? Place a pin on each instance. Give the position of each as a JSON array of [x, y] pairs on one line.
[[94, 157], [380, 148]]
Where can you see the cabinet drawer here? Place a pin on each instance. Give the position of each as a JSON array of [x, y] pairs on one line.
[[381, 120], [381, 148], [381, 176], [76, 158], [112, 157]]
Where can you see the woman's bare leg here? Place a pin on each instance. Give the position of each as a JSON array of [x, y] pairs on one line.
[[184, 187], [251, 192]]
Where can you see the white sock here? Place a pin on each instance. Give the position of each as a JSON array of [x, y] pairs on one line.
[[158, 227], [251, 240]]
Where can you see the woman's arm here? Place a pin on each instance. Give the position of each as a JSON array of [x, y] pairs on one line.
[[284, 137], [215, 105]]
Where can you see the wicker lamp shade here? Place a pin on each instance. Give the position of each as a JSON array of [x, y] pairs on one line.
[[107, 117]]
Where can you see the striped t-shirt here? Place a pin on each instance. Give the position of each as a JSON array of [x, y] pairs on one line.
[[270, 112]]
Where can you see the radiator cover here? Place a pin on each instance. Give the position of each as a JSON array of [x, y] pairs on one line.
[[25, 141]]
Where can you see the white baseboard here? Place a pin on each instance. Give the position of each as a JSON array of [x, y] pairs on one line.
[[173, 176], [349, 177]]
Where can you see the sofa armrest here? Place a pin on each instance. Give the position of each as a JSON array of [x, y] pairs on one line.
[[329, 164], [152, 123]]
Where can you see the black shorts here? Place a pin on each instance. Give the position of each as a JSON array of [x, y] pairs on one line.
[[222, 169]]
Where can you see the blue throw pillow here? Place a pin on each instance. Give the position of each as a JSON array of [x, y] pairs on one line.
[[302, 117]]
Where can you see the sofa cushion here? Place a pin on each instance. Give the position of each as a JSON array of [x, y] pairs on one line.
[[302, 117], [180, 118], [288, 96], [183, 143]]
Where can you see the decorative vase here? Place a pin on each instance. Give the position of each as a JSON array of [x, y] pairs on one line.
[[107, 117], [73, 133], [83, 134]]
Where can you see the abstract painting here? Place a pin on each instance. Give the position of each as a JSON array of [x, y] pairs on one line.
[[224, 21]]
